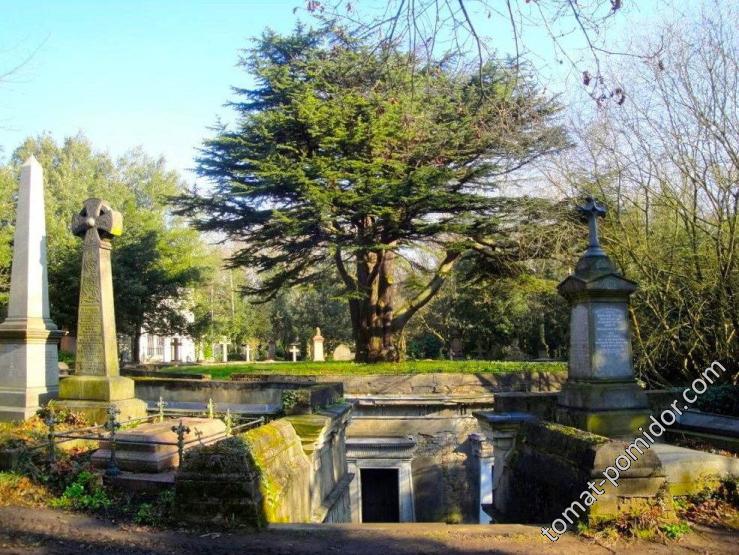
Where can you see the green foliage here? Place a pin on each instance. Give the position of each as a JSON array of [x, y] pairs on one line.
[[155, 260], [224, 371], [295, 314], [290, 398], [519, 317], [85, 493], [352, 155], [67, 358], [676, 531], [158, 512]]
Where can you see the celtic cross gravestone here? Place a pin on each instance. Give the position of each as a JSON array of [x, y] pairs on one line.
[[97, 383]]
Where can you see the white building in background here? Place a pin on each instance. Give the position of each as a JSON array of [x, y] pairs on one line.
[[170, 348]]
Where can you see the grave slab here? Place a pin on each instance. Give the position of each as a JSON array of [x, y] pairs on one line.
[[151, 457]]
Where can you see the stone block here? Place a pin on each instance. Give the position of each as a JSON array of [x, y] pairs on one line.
[[602, 395], [220, 484], [96, 388], [690, 471], [608, 423]]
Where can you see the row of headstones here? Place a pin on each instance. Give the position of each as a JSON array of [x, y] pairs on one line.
[[315, 350]]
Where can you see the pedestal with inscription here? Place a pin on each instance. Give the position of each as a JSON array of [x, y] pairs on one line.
[[97, 383], [601, 394]]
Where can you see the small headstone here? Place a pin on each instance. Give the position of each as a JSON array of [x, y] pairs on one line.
[[294, 351], [456, 349], [224, 349], [342, 353], [176, 345], [318, 346], [247, 353]]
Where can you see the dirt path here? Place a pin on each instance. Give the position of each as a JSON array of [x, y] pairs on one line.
[[44, 531]]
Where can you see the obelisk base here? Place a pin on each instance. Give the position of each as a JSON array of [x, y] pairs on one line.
[[610, 408], [97, 411], [92, 395], [29, 365]]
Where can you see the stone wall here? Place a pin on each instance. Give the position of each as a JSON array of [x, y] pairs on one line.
[[266, 392], [219, 484], [442, 469], [425, 383], [323, 439], [283, 471], [290, 470], [550, 465]]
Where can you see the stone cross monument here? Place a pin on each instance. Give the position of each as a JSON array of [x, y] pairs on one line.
[[29, 371], [97, 383], [318, 347], [601, 394], [295, 351]]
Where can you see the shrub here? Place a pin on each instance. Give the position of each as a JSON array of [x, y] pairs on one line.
[[85, 493]]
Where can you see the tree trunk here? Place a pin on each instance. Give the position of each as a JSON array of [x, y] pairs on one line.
[[377, 325]]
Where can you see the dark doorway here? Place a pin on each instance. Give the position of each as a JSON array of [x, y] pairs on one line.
[[380, 496]]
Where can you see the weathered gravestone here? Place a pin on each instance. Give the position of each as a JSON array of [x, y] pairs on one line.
[[271, 350], [342, 353], [29, 372], [97, 383], [318, 346], [601, 394], [456, 349]]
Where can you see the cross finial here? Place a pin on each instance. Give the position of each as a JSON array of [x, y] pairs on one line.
[[591, 210], [97, 221]]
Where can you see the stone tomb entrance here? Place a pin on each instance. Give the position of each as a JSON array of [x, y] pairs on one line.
[[380, 494], [382, 488]]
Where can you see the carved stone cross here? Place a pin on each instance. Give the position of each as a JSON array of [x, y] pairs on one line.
[[592, 210], [97, 223], [97, 351], [295, 352]]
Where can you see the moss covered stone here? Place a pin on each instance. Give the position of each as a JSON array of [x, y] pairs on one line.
[[219, 484], [283, 469]]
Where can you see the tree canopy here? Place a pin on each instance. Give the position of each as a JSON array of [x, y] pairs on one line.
[[350, 154]]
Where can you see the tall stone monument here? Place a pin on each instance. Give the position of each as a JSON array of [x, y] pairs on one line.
[[29, 371], [97, 383], [601, 394], [318, 355]]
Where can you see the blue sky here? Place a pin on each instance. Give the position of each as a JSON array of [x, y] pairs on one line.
[[126, 72]]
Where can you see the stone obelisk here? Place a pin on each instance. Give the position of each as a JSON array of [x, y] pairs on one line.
[[97, 383], [29, 367]]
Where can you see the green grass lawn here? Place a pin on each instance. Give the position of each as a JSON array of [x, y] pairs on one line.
[[220, 371]]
